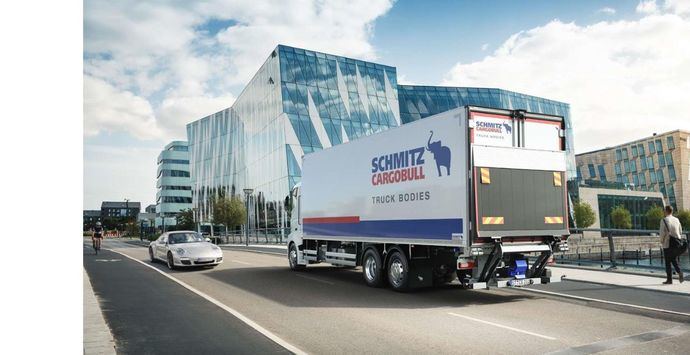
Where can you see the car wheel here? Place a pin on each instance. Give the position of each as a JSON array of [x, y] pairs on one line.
[[398, 271], [292, 258], [153, 259], [171, 264], [372, 268]]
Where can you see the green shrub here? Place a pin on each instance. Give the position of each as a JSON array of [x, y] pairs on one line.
[[684, 217], [584, 215], [621, 217], [654, 216]]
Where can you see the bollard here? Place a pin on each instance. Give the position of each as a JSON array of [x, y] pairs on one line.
[[612, 251], [638, 256]]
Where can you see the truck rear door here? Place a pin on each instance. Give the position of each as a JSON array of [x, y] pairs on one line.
[[518, 167]]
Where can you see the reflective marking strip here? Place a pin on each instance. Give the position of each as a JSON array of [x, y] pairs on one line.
[[553, 220], [486, 175], [492, 220], [557, 178], [503, 326]]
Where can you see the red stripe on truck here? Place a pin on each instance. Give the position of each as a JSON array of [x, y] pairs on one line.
[[322, 220]]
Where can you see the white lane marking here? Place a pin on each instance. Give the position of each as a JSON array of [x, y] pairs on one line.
[[605, 301], [503, 326], [314, 279], [240, 262], [235, 313]]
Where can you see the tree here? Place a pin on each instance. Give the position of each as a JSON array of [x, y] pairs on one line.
[[621, 217], [584, 215], [229, 212], [185, 219], [684, 217], [654, 216]]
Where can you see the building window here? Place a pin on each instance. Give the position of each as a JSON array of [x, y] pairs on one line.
[[602, 173], [669, 142], [658, 145], [625, 153], [669, 159], [642, 178], [618, 154], [650, 162], [579, 172], [640, 149], [652, 177], [176, 199], [617, 168], [633, 165], [662, 160], [651, 147], [626, 165], [643, 163], [660, 176], [636, 181], [592, 173], [672, 173], [626, 180], [173, 161], [634, 151], [174, 173]]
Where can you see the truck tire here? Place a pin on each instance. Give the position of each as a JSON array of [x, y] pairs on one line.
[[372, 268], [292, 258], [398, 271]]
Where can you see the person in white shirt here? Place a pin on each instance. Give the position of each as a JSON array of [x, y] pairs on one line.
[[669, 233]]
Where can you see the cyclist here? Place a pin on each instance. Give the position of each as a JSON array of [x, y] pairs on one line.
[[97, 237]]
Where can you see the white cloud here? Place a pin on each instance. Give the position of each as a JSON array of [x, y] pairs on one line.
[[607, 11], [485, 46], [174, 112], [647, 7], [107, 108], [622, 79]]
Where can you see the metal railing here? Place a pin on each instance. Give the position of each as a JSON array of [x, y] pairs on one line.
[[256, 236], [643, 255]]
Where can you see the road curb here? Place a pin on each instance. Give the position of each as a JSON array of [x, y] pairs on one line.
[[97, 336], [632, 287]]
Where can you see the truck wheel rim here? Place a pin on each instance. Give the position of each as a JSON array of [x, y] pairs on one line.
[[396, 273], [370, 268], [293, 257]]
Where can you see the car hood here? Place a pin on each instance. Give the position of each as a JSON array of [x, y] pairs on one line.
[[196, 249]]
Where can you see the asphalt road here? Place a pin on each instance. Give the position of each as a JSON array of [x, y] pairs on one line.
[[329, 310], [150, 314]]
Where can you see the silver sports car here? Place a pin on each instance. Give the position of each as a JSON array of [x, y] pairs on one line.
[[185, 248]]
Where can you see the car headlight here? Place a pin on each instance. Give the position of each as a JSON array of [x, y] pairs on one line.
[[179, 251]]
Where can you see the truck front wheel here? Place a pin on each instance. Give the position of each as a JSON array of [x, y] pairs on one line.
[[292, 258], [372, 268], [398, 271]]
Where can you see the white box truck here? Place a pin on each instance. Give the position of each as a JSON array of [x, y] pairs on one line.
[[473, 193]]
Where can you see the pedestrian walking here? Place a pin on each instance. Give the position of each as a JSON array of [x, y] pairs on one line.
[[669, 233]]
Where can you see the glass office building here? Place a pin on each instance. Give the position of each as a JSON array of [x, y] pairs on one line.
[[302, 101], [173, 183]]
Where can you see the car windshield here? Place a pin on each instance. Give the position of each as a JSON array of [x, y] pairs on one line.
[[179, 238]]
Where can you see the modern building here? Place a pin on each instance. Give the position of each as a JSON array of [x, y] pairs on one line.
[[174, 185], [659, 162], [604, 199], [116, 209], [150, 209], [90, 218], [301, 101]]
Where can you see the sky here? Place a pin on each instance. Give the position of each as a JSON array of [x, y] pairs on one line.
[[152, 67]]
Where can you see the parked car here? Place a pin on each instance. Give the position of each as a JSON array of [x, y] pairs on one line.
[[185, 248]]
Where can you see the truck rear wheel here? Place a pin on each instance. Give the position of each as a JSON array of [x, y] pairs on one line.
[[292, 258], [398, 271], [372, 268]]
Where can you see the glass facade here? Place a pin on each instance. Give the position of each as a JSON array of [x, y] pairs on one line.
[[301, 101], [174, 188], [417, 102], [637, 205]]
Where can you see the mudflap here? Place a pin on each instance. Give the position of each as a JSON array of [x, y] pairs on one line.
[[421, 273]]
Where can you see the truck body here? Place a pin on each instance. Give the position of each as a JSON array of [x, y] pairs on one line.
[[473, 193]]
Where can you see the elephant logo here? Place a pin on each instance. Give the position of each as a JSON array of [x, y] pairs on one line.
[[441, 154], [508, 128]]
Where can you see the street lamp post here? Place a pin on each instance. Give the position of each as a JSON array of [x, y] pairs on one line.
[[126, 214], [247, 193]]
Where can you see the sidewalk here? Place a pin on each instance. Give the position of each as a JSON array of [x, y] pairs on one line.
[[97, 336], [620, 279], [267, 246]]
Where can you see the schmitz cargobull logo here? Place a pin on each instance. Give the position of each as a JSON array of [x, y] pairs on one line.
[[408, 165]]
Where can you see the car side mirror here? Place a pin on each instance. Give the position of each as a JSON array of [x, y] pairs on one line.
[[208, 239]]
